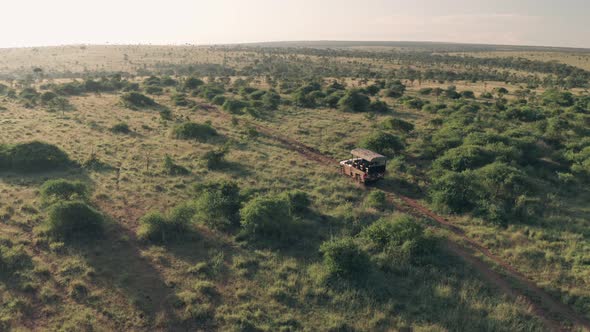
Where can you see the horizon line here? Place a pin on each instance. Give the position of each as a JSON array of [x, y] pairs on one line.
[[253, 43]]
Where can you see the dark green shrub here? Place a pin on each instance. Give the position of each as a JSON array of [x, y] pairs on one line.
[[192, 83], [62, 189], [415, 103], [73, 219], [180, 99], [343, 258], [32, 157], [378, 106], [196, 131], [165, 114], [13, 258], [153, 90], [121, 128], [268, 218], [425, 91], [136, 100], [486, 95], [48, 96], [395, 89], [354, 101], [271, 100], [467, 94], [376, 199], [453, 191], [219, 100], [172, 168], [401, 237], [333, 99], [210, 91], [384, 143], [372, 89], [218, 205], [234, 106], [256, 95], [398, 124], [463, 158], [158, 228], [298, 200], [556, 97], [214, 158]]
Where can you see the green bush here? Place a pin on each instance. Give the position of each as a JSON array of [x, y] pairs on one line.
[[268, 218], [136, 100], [378, 106], [181, 99], [343, 258], [402, 238], [463, 158], [496, 192], [73, 219], [214, 158], [166, 114], [192, 83], [158, 228], [172, 168], [196, 131], [395, 89], [121, 128], [384, 143], [219, 100], [398, 124], [61, 189], [13, 258], [271, 100], [234, 106], [453, 191], [218, 205], [425, 91], [354, 101], [376, 199], [298, 200], [32, 157], [153, 90]]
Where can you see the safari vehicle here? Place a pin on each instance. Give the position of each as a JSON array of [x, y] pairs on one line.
[[365, 166]]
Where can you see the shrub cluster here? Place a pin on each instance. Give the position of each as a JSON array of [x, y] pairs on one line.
[[383, 142], [159, 228], [268, 218], [196, 131], [136, 100], [345, 259], [63, 190], [218, 204], [69, 220], [32, 157]]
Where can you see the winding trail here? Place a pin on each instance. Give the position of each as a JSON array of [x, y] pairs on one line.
[[556, 315]]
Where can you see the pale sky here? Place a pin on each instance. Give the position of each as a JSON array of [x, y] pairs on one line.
[[520, 22]]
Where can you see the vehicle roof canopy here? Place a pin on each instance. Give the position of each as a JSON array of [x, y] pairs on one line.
[[368, 155]]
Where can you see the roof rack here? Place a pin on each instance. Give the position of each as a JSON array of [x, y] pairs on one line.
[[368, 155]]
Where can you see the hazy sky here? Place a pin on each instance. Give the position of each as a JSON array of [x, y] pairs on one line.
[[531, 22]]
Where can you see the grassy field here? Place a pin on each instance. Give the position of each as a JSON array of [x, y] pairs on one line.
[[216, 279]]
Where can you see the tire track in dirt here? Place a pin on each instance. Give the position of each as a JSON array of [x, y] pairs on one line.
[[556, 315]]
